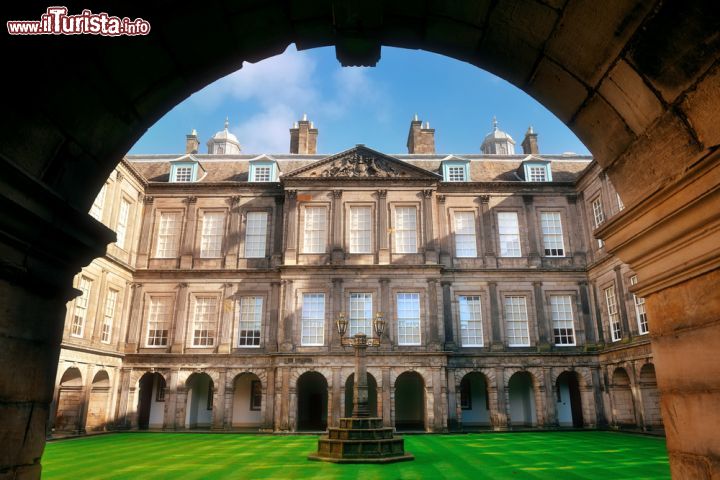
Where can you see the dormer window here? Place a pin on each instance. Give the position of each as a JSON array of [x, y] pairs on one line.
[[535, 170], [263, 169], [184, 170], [455, 170]]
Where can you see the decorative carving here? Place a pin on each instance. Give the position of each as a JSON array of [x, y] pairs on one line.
[[428, 193], [382, 193], [191, 199], [279, 200], [484, 198], [291, 194], [440, 198], [234, 200], [359, 164], [119, 176], [148, 199], [527, 199], [337, 193]]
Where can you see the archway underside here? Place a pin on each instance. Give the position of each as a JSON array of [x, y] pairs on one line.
[[637, 81]]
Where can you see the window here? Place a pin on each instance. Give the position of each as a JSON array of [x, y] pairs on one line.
[[121, 229], [471, 334], [160, 390], [204, 320], [250, 321], [456, 174], [537, 174], [552, 234], [408, 317], [516, 322], [405, 230], [562, 320], [97, 206], [168, 235], [509, 232], [81, 305], [255, 395], [315, 229], [360, 314], [640, 312], [465, 242], [183, 174], [255, 234], [613, 315], [263, 174], [598, 217], [212, 234], [621, 205], [159, 314], [110, 303], [465, 394], [360, 230], [220, 149], [313, 319]]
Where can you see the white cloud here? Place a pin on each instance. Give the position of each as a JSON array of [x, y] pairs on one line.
[[267, 131]]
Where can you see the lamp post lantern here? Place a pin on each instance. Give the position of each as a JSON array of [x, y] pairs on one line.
[[361, 438]]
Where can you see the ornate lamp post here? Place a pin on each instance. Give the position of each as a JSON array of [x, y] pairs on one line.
[[361, 438]]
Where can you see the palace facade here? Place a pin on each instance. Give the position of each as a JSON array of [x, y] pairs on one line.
[[216, 307]]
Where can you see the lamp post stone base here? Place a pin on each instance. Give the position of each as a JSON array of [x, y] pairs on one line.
[[361, 440]]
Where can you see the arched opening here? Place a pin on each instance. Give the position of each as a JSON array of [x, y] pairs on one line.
[[151, 401], [312, 402], [623, 407], [568, 402], [409, 402], [650, 397], [521, 394], [69, 402], [98, 402], [474, 400], [200, 393], [372, 395], [247, 401]]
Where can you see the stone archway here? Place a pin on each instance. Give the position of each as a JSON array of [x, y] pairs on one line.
[[372, 395], [247, 401], [650, 397], [312, 402], [200, 399], [638, 87], [70, 401], [521, 400], [621, 398], [97, 410], [410, 402], [474, 400], [151, 401], [568, 400]]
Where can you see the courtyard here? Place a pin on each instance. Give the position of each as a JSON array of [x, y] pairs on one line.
[[531, 455]]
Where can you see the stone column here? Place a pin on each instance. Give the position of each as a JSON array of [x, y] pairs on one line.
[[533, 240], [500, 418], [338, 255], [188, 238], [584, 309], [277, 243], [454, 413], [439, 401], [291, 219], [550, 410], [225, 327], [487, 229], [448, 317], [497, 342], [271, 332], [179, 329], [180, 407], [121, 413], [382, 228], [269, 399], [232, 239], [218, 411], [542, 323], [288, 316], [170, 420], [146, 231], [433, 320], [136, 309], [431, 256], [622, 304], [444, 247], [338, 299]]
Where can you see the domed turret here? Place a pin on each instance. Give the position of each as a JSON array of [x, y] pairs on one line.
[[498, 142], [224, 142]]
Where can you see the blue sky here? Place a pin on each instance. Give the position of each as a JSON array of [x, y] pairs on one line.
[[355, 105]]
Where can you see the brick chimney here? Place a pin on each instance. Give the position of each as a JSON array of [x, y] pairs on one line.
[[303, 137], [192, 143], [529, 143], [420, 139]]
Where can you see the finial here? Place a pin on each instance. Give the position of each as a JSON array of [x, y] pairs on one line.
[[311, 125], [495, 123], [295, 125], [304, 117], [530, 130], [227, 122], [427, 125], [415, 118], [194, 132]]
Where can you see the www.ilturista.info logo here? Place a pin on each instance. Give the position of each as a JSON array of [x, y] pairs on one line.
[[56, 21]]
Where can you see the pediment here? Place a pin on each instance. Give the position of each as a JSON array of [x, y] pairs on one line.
[[361, 163]]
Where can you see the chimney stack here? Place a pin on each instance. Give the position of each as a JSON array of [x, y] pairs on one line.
[[303, 137], [192, 142], [420, 139], [530, 143]]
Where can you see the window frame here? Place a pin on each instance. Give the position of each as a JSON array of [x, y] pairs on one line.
[[255, 395], [98, 206], [323, 236], [123, 220], [501, 234], [370, 230], [523, 322], [266, 227], [205, 237], [396, 228], [613, 312], [108, 320], [211, 337], [256, 165], [258, 321], [82, 304], [640, 316], [403, 322], [175, 168], [170, 299], [159, 234], [559, 252], [478, 320], [457, 235], [554, 320], [321, 320]]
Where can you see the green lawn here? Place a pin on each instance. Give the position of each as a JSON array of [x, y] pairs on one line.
[[184, 456]]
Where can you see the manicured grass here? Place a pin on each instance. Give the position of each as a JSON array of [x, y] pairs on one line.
[[185, 456]]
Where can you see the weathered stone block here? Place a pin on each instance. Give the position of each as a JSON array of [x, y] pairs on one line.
[[551, 78], [701, 107]]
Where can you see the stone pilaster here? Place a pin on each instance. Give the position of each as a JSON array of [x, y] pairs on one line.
[[443, 244], [232, 245], [434, 324], [179, 329], [271, 332], [291, 220], [532, 234], [431, 256], [541, 319], [188, 239], [277, 242], [497, 342], [622, 295], [136, 315], [382, 228], [448, 323], [218, 411], [288, 316], [488, 232], [338, 254], [146, 232], [225, 328]]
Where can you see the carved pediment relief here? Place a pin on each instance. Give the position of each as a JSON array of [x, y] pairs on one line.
[[361, 163]]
